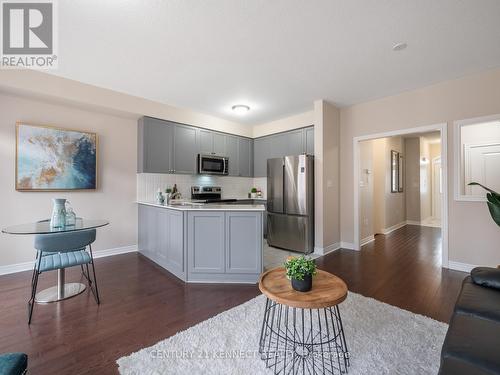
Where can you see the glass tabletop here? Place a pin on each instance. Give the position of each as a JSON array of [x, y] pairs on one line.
[[43, 227]]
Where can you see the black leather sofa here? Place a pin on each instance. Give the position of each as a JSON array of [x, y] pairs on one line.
[[472, 343]]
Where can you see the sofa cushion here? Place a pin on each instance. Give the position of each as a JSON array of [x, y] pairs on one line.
[[474, 341], [486, 276], [478, 300], [455, 366], [13, 363]]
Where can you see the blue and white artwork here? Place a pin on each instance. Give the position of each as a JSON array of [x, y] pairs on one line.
[[49, 158]]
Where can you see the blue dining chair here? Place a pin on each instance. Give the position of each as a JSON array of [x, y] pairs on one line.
[[62, 250]]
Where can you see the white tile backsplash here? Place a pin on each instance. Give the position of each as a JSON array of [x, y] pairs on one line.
[[232, 187]]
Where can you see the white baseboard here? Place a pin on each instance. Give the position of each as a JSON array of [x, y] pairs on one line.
[[347, 245], [26, 266], [413, 222], [368, 239], [458, 266], [327, 249], [394, 227]]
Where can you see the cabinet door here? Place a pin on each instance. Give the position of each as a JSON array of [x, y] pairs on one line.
[[161, 225], [261, 154], [309, 140], [184, 149], [206, 242], [143, 229], [175, 252], [157, 140], [205, 141], [294, 142], [232, 153], [219, 144], [245, 157], [244, 242]]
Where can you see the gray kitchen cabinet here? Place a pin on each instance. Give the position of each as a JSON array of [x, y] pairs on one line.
[[184, 149], [231, 151], [245, 157], [243, 242], [143, 245], [206, 141], [155, 138], [206, 242], [309, 140], [175, 261], [261, 152], [161, 235], [295, 142], [219, 147]]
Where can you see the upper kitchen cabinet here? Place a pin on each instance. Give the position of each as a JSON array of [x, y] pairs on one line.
[[294, 142], [309, 140], [245, 157], [154, 141], [184, 149], [211, 143], [231, 151]]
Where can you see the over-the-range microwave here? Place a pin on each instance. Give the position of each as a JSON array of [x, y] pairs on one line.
[[213, 164]]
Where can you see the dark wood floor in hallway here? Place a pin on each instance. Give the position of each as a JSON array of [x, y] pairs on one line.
[[143, 304]]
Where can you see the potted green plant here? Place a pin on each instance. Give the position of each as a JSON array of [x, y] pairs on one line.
[[300, 270], [253, 193], [493, 202]]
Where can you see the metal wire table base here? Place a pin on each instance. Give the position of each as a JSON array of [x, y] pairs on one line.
[[303, 341]]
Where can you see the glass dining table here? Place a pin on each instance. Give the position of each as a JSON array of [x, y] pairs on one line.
[[62, 290]]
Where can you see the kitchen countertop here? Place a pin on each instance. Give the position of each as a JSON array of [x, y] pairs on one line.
[[209, 207]]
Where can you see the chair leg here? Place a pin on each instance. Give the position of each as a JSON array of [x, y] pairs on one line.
[[34, 284], [96, 295]]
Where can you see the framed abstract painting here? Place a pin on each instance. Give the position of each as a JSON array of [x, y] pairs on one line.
[[55, 159]]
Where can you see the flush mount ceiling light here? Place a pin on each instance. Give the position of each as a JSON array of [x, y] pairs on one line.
[[399, 46], [240, 109]]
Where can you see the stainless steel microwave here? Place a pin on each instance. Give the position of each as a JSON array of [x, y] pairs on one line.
[[213, 164]]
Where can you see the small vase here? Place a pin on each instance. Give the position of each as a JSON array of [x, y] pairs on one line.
[[58, 218], [302, 285]]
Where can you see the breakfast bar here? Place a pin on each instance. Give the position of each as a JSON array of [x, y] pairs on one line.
[[206, 243]]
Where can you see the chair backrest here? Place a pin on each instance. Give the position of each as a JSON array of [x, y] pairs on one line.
[[64, 242]]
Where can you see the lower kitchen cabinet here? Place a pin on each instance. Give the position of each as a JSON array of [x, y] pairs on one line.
[[243, 241], [199, 245], [161, 238], [206, 242]]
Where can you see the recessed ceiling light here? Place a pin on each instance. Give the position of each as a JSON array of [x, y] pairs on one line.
[[399, 46], [240, 109]]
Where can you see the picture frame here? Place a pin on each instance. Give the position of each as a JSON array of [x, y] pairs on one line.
[[51, 158], [401, 171]]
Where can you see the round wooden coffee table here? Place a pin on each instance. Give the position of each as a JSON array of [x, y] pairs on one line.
[[303, 332]]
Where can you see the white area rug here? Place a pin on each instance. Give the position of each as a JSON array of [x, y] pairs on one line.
[[382, 339]]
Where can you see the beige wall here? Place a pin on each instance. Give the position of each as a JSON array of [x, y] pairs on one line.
[[326, 173], [65, 91], [412, 178], [114, 198], [473, 236], [300, 120]]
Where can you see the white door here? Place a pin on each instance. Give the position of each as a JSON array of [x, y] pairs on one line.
[[437, 188]]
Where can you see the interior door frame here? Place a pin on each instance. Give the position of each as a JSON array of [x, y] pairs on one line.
[[442, 128], [435, 161]]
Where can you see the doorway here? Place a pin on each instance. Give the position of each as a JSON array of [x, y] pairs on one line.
[[433, 188]]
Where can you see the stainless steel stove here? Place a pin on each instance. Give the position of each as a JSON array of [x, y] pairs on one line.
[[208, 194]]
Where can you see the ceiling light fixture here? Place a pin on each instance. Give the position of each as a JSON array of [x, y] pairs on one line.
[[240, 109], [399, 46]]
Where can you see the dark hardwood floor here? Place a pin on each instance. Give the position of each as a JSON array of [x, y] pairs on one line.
[[143, 304]]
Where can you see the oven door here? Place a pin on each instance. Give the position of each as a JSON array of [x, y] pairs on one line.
[[210, 164]]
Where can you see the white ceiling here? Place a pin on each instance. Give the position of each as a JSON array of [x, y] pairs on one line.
[[276, 56]]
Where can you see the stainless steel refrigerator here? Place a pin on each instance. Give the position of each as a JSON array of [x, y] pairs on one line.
[[290, 203]]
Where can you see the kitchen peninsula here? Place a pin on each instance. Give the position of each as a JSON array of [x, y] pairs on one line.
[[220, 243]]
